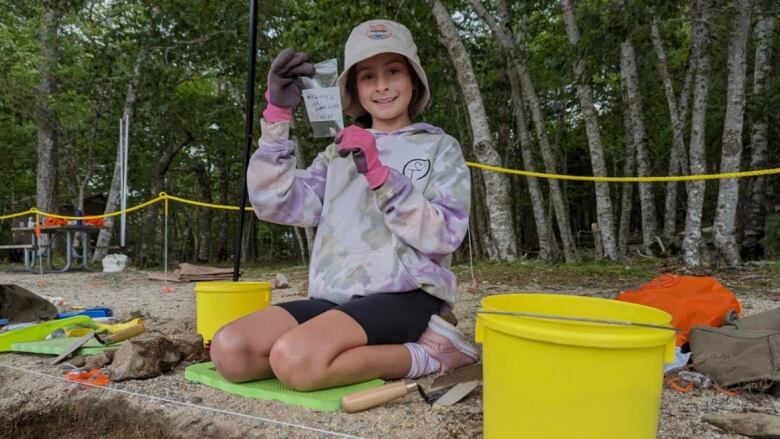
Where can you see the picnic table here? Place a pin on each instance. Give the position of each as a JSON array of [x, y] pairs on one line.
[[40, 249]]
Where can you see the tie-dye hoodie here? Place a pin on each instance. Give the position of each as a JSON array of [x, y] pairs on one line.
[[397, 238]]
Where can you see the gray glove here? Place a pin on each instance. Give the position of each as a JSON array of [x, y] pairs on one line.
[[284, 89]]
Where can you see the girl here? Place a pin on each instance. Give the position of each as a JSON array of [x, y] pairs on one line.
[[390, 204]]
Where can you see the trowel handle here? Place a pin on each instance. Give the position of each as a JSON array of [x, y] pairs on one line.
[[368, 398], [124, 334]]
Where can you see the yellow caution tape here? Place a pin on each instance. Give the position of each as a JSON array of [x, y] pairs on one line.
[[694, 177], [165, 197]]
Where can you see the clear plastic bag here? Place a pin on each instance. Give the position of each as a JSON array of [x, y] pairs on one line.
[[323, 100]]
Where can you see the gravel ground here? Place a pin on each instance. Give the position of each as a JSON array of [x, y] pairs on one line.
[[36, 402]]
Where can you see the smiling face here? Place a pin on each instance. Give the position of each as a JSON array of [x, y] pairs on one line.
[[385, 88]]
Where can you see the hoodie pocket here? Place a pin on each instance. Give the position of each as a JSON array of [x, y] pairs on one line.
[[367, 273]]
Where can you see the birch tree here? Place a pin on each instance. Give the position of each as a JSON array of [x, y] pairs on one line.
[[547, 247], [506, 37], [603, 202], [678, 115], [700, 46], [756, 200], [638, 136], [731, 154], [626, 199], [496, 184], [112, 201], [47, 119]]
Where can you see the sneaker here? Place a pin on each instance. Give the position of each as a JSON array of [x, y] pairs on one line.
[[446, 344]]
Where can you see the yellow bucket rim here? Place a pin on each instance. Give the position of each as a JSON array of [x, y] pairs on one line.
[[578, 333], [231, 287]]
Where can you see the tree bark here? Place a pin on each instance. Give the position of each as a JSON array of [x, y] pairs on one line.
[[756, 202], [638, 136], [678, 113], [728, 194], [203, 248], [604, 214], [700, 46], [158, 185], [499, 212], [502, 29], [224, 186], [626, 202], [47, 118], [112, 201], [547, 249]]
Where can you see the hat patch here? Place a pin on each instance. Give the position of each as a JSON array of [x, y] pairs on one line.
[[378, 32]]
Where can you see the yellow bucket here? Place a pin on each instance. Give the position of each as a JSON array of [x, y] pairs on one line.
[[219, 303], [567, 379]]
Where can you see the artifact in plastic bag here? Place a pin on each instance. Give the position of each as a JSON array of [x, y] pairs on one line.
[[323, 100]]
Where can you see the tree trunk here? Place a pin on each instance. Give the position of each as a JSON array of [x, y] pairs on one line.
[[638, 136], [224, 186], [497, 186], [700, 46], [104, 236], [626, 202], [547, 248], [728, 194], [158, 185], [47, 120], [504, 35], [603, 201], [756, 209], [204, 229], [678, 113]]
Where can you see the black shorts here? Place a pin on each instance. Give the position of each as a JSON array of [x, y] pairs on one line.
[[387, 318]]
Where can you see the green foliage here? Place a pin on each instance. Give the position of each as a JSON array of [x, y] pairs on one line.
[[192, 80]]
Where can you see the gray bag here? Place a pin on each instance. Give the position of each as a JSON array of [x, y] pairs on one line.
[[742, 352]]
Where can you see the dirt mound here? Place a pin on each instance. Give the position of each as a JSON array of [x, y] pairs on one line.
[[81, 413]]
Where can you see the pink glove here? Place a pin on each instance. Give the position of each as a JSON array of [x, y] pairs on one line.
[[362, 145], [273, 114]]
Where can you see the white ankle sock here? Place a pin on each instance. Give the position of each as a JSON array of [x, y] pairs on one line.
[[422, 363]]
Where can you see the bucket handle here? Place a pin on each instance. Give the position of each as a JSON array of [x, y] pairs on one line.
[[577, 319]]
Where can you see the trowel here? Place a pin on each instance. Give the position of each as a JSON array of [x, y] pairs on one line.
[[445, 390], [107, 339]]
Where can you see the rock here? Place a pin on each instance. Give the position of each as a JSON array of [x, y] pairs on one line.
[[98, 361], [127, 316], [146, 356], [190, 346], [195, 399], [280, 281], [759, 425], [75, 361]]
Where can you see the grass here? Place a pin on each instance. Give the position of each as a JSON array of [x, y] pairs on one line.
[[562, 273], [774, 266]]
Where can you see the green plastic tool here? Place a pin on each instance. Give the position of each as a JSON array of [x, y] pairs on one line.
[[56, 346], [323, 400], [39, 331]]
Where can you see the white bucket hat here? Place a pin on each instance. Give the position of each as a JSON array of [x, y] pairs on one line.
[[372, 38]]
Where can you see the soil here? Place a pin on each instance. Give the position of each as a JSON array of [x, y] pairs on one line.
[[36, 402]]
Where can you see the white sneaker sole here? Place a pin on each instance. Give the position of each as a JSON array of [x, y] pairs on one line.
[[451, 333]]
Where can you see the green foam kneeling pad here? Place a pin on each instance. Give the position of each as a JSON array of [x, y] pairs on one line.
[[272, 389], [56, 346]]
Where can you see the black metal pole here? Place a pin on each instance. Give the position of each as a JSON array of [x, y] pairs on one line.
[[248, 129]]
